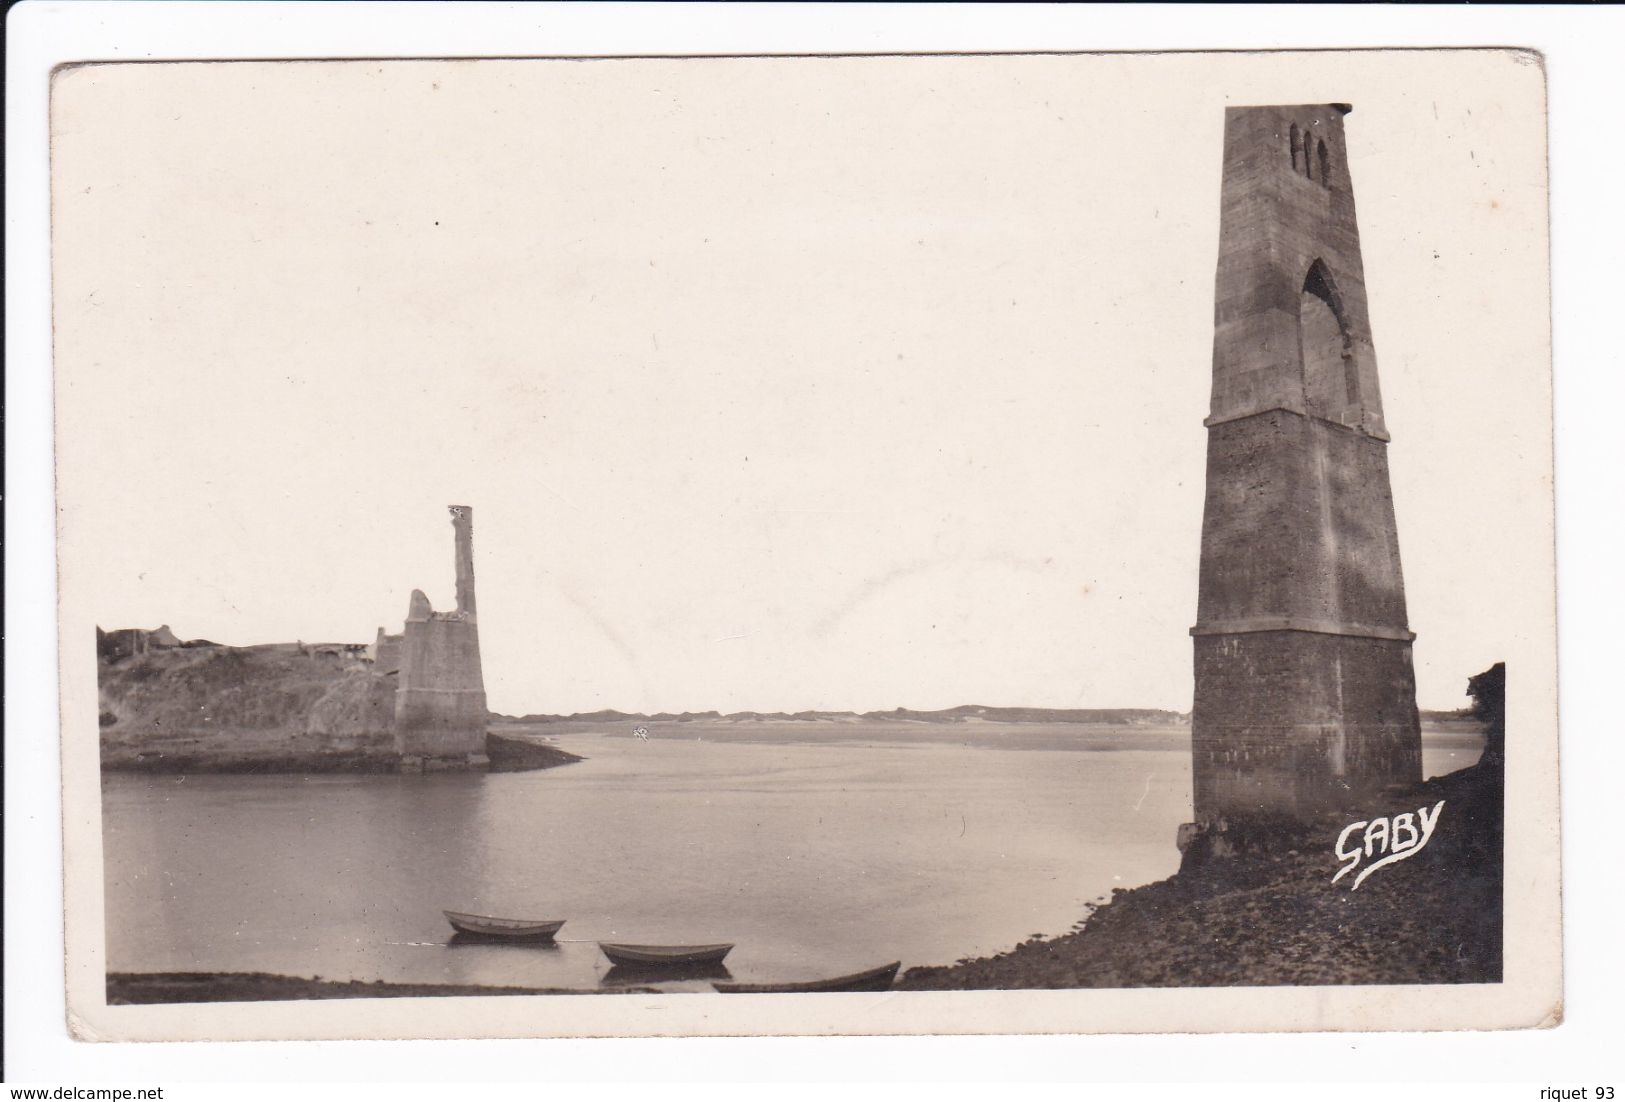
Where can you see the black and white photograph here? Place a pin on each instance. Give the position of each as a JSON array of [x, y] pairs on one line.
[[796, 544]]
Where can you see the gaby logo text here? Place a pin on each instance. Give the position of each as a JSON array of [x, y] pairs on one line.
[[1386, 840]]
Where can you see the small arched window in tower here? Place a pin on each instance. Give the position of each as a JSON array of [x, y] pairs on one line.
[[1331, 382], [1296, 148], [1325, 163]]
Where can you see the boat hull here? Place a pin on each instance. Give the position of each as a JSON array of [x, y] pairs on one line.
[[874, 979], [663, 956], [504, 929]]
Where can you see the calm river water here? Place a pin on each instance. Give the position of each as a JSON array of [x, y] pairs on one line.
[[814, 855]]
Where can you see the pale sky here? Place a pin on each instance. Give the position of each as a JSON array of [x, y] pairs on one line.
[[773, 384]]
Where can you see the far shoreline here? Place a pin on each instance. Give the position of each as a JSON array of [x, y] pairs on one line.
[[1267, 917], [554, 743]]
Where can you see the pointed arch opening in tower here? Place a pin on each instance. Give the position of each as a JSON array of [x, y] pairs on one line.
[[1294, 142], [1331, 382], [1325, 162]]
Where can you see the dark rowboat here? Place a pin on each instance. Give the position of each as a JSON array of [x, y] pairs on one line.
[[663, 956], [508, 929], [875, 979]]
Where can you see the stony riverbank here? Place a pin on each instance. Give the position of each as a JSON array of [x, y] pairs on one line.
[[1272, 916]]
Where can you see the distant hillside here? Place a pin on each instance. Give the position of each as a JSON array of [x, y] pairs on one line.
[[964, 713]]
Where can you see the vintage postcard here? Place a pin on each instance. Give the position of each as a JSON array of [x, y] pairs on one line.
[[806, 545]]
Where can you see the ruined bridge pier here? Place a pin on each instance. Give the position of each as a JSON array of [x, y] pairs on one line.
[[440, 707]]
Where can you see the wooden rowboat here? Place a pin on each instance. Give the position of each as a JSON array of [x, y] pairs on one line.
[[874, 979], [663, 956], [508, 929]]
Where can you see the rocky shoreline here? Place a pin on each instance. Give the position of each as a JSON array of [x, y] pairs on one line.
[[237, 752]]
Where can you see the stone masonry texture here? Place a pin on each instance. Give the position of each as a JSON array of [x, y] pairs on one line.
[[1305, 691]]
